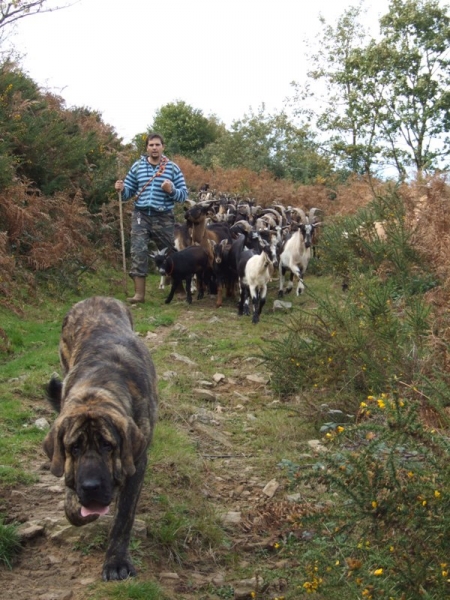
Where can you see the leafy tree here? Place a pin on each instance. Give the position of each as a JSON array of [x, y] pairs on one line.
[[386, 101], [185, 129], [264, 142], [339, 107], [412, 67]]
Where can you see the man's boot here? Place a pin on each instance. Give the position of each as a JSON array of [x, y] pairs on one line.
[[139, 291]]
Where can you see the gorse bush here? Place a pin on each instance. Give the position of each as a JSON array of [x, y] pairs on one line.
[[55, 148], [381, 528], [377, 239], [359, 343]]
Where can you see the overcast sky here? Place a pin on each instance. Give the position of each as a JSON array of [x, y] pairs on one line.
[[126, 59]]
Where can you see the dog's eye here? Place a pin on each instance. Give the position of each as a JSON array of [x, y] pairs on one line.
[[107, 446], [76, 449]]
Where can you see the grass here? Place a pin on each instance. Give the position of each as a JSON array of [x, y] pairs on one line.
[[130, 590], [9, 544]]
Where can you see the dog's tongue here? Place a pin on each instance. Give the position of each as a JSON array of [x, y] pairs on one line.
[[94, 509]]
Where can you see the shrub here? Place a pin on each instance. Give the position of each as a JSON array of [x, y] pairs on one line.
[[363, 341], [381, 526], [356, 344]]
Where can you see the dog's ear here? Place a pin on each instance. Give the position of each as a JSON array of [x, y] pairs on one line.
[[133, 445], [54, 448]]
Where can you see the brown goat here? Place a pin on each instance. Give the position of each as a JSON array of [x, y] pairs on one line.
[[203, 234]]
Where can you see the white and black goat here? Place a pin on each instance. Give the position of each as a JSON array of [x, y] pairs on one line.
[[296, 253], [181, 267], [255, 271]]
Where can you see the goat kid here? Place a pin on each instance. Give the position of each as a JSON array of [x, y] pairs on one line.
[[255, 272], [181, 267]]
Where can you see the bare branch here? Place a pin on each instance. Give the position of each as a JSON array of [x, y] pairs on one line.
[[10, 12]]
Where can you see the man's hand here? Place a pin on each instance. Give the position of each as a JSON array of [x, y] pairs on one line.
[[167, 186]]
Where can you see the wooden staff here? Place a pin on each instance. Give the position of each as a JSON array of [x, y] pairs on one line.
[[122, 242]]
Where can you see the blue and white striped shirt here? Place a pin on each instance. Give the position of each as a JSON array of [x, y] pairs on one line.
[[153, 196]]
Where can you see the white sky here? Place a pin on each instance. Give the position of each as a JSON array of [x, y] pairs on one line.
[[126, 59]]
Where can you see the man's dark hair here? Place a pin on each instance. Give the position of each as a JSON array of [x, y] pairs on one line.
[[152, 136]]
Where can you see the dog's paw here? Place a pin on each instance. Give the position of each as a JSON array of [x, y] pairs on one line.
[[115, 569]]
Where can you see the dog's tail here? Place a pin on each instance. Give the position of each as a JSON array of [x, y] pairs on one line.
[[54, 392]]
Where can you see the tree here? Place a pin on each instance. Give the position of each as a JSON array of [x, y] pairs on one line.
[[185, 129], [339, 108], [10, 12], [388, 100], [412, 66], [264, 142]]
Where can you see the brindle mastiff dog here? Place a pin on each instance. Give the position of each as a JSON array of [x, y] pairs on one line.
[[107, 404]]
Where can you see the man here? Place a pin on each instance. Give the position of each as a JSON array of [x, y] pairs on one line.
[[157, 183]]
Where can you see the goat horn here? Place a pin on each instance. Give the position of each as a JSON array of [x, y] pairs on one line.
[[301, 214], [312, 213]]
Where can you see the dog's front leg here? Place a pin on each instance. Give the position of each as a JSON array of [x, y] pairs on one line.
[[118, 564]]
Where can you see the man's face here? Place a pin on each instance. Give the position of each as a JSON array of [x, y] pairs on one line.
[[155, 150]]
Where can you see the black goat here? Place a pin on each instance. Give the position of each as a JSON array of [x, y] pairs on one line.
[[181, 267]]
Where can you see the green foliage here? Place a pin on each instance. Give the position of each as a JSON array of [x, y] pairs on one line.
[[340, 110], [364, 341], [273, 143], [185, 129], [355, 344], [386, 532], [389, 97], [374, 521], [54, 148], [411, 65], [376, 240], [133, 590], [9, 544]]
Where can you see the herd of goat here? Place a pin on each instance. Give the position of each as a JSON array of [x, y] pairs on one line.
[[234, 248]]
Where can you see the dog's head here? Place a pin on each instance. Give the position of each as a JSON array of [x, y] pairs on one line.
[[95, 450]]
